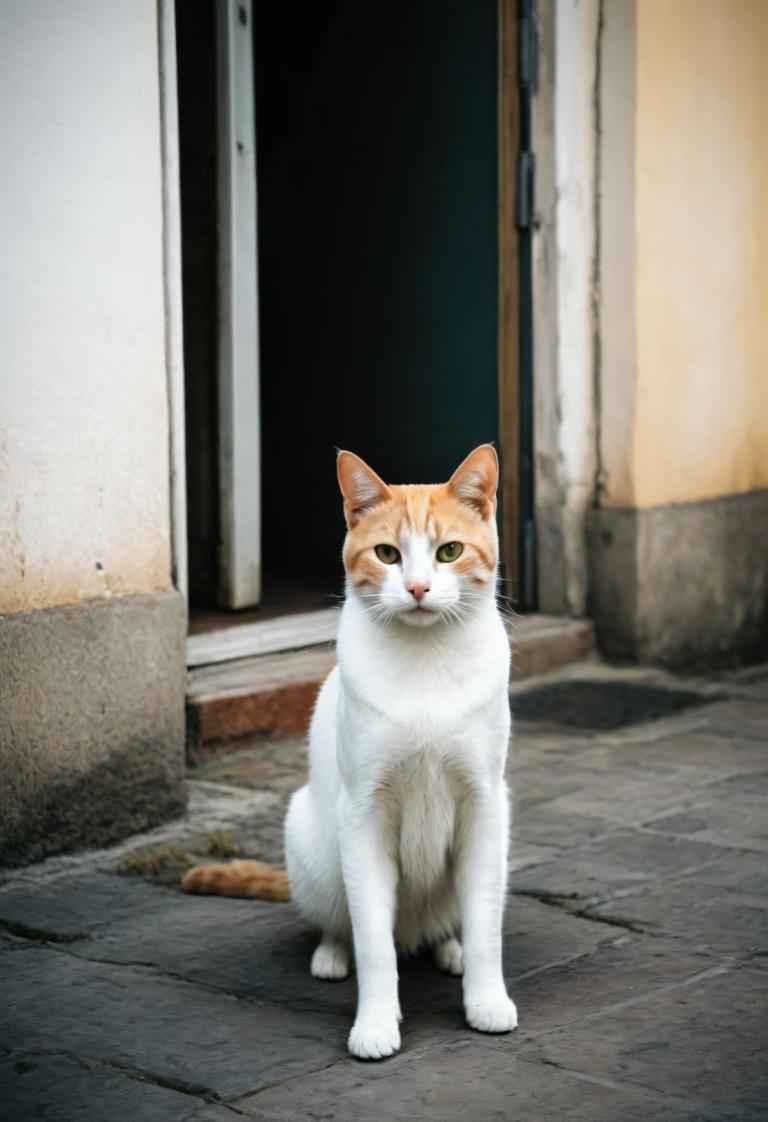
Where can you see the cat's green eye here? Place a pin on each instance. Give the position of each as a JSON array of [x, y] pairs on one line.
[[451, 551], [388, 554]]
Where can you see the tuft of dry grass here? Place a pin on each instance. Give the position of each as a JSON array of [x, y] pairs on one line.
[[142, 862], [223, 845]]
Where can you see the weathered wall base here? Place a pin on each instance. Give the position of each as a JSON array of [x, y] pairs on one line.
[[683, 585], [91, 723]]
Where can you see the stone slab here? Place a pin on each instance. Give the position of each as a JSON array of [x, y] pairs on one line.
[[254, 949], [630, 967], [262, 951], [746, 717], [699, 757], [59, 1088], [625, 860], [74, 907], [259, 762], [169, 1030], [675, 1039], [745, 874], [698, 910], [475, 1079], [732, 812], [546, 825], [621, 798]]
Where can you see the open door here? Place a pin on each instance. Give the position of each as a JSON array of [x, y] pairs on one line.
[[239, 553], [219, 278]]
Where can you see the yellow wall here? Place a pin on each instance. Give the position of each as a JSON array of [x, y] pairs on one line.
[[701, 237]]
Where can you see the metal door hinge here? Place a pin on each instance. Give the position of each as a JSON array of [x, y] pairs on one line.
[[527, 45], [524, 196]]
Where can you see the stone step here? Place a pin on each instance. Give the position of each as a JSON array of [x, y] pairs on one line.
[[275, 693], [271, 694], [542, 643]]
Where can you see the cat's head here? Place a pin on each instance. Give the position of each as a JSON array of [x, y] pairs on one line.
[[421, 553]]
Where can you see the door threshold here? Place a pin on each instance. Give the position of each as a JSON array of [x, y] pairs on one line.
[[274, 695], [288, 632]]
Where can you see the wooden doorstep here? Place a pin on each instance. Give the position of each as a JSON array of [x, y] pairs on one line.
[[285, 633]]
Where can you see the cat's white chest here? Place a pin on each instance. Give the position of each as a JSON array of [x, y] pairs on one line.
[[426, 691], [423, 800]]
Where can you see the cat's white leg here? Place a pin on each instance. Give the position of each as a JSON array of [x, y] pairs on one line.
[[330, 960], [314, 868], [370, 877], [481, 885], [448, 956]]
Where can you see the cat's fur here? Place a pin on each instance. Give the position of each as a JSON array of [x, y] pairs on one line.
[[400, 835]]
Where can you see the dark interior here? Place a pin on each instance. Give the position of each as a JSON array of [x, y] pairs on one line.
[[377, 208], [196, 69]]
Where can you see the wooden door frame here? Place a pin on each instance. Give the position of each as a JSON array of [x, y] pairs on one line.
[[509, 294], [508, 131], [239, 560]]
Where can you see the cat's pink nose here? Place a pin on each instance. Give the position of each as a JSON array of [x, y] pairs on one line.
[[417, 590]]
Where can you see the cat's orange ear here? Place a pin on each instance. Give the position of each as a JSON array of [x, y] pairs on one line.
[[476, 479], [361, 487]]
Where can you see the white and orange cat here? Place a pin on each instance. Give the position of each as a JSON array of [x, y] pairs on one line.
[[399, 839]]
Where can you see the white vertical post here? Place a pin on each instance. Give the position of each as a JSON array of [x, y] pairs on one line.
[[239, 576], [174, 336]]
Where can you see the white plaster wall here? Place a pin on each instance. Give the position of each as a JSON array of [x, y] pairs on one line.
[[564, 271], [576, 72], [84, 458]]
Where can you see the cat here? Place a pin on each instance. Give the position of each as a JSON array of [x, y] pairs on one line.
[[400, 836]]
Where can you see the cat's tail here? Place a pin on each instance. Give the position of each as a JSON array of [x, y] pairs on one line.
[[239, 878]]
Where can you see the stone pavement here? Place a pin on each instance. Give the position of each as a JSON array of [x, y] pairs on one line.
[[635, 942]]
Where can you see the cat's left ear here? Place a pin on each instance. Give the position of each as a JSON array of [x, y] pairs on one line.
[[476, 479], [361, 487]]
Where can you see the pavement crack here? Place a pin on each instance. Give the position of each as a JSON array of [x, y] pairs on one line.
[[288, 1079], [404, 1058], [38, 934], [653, 994], [207, 1094], [566, 961], [157, 971], [577, 906], [615, 921], [198, 1091], [150, 967]]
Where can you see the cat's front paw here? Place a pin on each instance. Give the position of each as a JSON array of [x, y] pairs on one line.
[[491, 1013], [374, 1040]]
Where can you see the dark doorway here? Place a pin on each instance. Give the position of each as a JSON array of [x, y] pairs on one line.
[[377, 199], [377, 172]]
